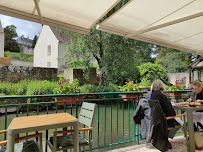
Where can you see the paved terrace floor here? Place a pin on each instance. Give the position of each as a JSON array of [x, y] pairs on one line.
[[178, 144]]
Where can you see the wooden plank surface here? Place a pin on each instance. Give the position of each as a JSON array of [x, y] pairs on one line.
[[41, 120]]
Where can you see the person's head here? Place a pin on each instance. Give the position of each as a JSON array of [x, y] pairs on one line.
[[197, 87], [157, 85]]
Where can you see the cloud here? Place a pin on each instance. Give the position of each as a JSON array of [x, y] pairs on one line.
[[23, 27]]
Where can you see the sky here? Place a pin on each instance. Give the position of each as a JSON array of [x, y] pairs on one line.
[[23, 27]]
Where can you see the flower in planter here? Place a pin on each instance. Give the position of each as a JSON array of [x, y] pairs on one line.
[[66, 87], [176, 87], [129, 86]]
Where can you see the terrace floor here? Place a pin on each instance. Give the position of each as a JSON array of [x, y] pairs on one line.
[[178, 144]]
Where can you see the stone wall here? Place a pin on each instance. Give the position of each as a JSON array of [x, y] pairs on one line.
[[181, 77], [17, 73]]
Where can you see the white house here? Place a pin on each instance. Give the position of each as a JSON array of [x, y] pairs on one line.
[[1, 41], [50, 48]]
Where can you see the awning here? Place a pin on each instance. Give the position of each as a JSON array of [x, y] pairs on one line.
[[73, 15], [175, 24]]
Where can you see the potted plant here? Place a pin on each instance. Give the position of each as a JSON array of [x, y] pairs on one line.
[[129, 86], [174, 90], [65, 87]]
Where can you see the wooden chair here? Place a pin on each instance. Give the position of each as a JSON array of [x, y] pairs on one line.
[[65, 142], [28, 146]]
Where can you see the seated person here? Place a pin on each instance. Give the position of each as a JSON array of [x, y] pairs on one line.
[[197, 97], [156, 93]]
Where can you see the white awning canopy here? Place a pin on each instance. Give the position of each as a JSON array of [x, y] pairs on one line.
[[176, 24], [73, 15]]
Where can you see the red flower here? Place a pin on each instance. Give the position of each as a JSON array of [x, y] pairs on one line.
[[59, 83], [67, 79], [183, 82], [128, 79], [176, 83]]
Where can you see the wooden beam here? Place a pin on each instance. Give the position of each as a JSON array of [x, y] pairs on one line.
[[39, 12], [34, 9], [47, 21], [166, 24]]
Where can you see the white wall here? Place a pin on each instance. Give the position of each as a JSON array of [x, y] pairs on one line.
[[1, 44], [41, 57]]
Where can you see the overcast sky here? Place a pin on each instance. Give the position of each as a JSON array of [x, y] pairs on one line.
[[26, 28]]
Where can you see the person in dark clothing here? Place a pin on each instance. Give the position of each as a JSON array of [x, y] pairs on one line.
[[157, 88], [197, 97]]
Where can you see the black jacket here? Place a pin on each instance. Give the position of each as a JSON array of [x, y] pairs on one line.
[[165, 105], [153, 123]]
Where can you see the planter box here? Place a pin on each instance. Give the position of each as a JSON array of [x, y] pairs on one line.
[[175, 94], [68, 100], [129, 95]]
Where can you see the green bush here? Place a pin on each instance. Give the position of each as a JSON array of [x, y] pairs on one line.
[[18, 56], [129, 86], [90, 88], [18, 88], [175, 87], [150, 72]]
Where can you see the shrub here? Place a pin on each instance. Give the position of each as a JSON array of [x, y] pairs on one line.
[[18, 56], [150, 72], [90, 88], [129, 86]]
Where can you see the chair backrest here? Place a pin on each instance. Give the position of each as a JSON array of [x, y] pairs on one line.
[[87, 113]]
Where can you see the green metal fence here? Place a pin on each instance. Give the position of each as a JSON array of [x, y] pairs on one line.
[[113, 123]]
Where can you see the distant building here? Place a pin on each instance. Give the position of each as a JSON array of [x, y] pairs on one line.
[[196, 70], [50, 48], [1, 41], [25, 45]]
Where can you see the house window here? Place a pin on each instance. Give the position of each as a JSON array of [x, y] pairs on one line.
[[49, 64], [49, 50]]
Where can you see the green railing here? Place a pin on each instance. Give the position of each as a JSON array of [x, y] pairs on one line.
[[113, 123]]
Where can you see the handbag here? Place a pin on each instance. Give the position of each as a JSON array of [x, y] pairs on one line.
[[198, 135]]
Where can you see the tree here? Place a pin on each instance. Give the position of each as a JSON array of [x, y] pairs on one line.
[[34, 41], [116, 56], [174, 60], [10, 43], [150, 72]]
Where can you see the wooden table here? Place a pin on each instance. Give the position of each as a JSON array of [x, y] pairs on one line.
[[41, 122], [189, 110]]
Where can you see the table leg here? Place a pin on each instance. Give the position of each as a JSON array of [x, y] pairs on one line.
[[76, 138], [11, 142], [191, 131]]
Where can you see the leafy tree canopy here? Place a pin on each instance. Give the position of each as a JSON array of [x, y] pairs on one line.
[[34, 41], [10, 42], [151, 71]]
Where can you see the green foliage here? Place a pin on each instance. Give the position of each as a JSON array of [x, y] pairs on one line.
[[150, 72], [175, 87], [10, 42], [129, 86], [145, 84], [65, 87], [117, 57], [79, 64], [38, 87], [18, 56], [60, 75], [90, 88], [174, 60], [34, 41], [19, 88]]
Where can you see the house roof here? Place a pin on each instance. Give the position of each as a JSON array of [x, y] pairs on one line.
[[1, 29], [60, 37], [196, 62], [23, 39]]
